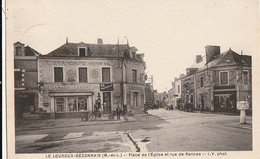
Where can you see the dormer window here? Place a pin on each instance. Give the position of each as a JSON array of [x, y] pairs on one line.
[[18, 51], [133, 54], [82, 51]]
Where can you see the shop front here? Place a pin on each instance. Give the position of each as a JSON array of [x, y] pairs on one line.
[[225, 101], [71, 105]]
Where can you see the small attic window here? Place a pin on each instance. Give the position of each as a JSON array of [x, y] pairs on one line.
[[82, 51], [133, 55]]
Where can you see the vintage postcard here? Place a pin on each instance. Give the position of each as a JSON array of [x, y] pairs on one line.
[[132, 79]]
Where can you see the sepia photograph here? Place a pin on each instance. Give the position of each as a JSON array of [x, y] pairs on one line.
[[152, 78]]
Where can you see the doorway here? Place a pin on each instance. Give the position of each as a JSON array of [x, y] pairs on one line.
[[106, 102]]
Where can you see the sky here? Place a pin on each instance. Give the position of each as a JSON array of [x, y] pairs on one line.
[[169, 32]]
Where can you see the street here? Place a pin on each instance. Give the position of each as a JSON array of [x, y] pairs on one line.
[[159, 130]]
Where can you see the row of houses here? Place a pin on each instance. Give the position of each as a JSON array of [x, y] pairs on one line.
[[214, 82], [77, 77]]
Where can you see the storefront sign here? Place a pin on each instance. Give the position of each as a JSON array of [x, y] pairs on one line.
[[70, 87], [76, 63], [106, 87]]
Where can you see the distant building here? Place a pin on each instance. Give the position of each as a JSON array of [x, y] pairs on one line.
[[161, 99], [25, 80], [77, 75], [149, 95]]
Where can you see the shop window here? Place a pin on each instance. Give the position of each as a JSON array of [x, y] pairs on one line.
[[201, 81], [82, 52], [72, 104], [245, 77], [60, 105], [106, 74], [82, 103], [83, 75], [134, 75], [58, 74], [223, 78]]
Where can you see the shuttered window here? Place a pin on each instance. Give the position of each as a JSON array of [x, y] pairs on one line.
[[83, 75], [106, 74], [58, 74]]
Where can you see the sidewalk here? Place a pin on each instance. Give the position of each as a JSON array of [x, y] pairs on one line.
[[237, 124], [25, 125]]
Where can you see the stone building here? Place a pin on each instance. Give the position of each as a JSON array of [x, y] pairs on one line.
[[217, 81], [75, 76], [25, 80], [224, 80]]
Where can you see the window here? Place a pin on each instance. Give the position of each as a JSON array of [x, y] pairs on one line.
[[82, 52], [223, 78], [133, 55], [106, 75], [58, 74], [191, 98], [60, 104], [83, 75], [18, 51], [245, 77], [18, 79], [71, 104], [178, 88], [134, 75], [201, 81]]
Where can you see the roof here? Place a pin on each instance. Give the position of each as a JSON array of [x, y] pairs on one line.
[[30, 51], [228, 57], [96, 50], [200, 64]]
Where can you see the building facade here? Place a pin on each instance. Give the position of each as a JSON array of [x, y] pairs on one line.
[[76, 76], [26, 81], [217, 81]]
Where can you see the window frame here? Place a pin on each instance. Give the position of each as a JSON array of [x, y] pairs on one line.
[[79, 74], [86, 51], [247, 76], [110, 74], [220, 78], [136, 81], [201, 81], [63, 74]]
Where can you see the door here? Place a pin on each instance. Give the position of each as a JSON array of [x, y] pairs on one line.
[[202, 102], [135, 96], [106, 102]]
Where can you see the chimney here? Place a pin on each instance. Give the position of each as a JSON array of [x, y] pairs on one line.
[[211, 52], [198, 58], [99, 41]]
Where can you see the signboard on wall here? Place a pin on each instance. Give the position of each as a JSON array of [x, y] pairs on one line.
[[106, 87]]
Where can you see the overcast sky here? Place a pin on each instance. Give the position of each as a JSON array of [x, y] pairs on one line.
[[170, 32]]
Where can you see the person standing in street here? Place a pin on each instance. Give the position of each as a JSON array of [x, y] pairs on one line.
[[118, 112]]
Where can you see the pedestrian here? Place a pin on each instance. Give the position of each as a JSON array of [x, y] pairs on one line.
[[118, 112]]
